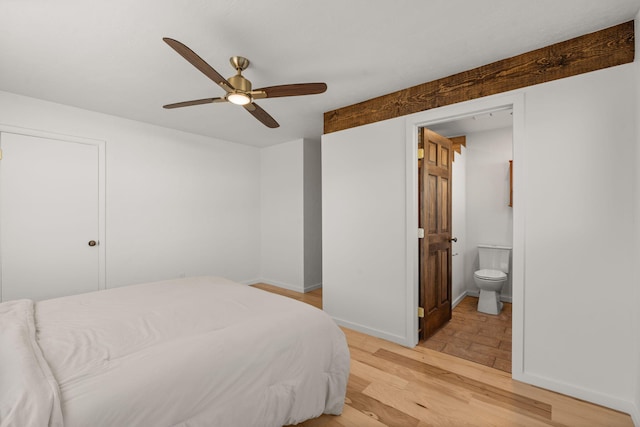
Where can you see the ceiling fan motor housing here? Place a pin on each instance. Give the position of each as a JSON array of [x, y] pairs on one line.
[[239, 83]]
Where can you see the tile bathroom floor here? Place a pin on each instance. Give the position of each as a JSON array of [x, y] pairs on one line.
[[478, 337]]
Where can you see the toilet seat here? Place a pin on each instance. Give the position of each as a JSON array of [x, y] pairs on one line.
[[487, 274]]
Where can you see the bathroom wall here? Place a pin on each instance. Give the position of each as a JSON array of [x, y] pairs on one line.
[[489, 219], [458, 225]]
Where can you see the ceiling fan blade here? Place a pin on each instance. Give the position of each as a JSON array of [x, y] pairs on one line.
[[264, 117], [199, 63], [194, 102], [293, 89]]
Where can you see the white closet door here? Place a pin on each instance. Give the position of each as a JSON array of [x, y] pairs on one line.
[[48, 215]]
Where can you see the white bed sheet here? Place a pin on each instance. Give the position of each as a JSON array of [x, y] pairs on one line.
[[191, 352], [29, 394]]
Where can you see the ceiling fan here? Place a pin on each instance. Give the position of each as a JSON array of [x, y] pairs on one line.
[[238, 88]]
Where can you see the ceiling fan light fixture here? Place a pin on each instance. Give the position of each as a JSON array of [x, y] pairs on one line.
[[239, 98], [238, 89]]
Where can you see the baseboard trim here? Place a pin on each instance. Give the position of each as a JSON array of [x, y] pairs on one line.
[[403, 341], [310, 288], [459, 299], [581, 393], [250, 282], [635, 415], [288, 286]]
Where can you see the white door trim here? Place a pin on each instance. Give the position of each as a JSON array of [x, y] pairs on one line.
[[446, 114], [101, 146]]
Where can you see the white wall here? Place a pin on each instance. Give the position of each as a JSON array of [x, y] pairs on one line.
[[459, 225], [579, 202], [282, 222], [636, 319], [291, 228], [577, 197], [363, 228], [489, 217], [175, 203], [312, 214]]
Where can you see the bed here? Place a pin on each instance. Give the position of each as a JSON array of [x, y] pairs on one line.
[[190, 352]]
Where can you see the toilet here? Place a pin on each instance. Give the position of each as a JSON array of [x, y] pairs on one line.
[[491, 277]]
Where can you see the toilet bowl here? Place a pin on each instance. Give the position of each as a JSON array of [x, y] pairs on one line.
[[492, 276], [490, 283]]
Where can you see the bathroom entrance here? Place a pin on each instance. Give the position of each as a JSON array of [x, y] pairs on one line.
[[480, 215]]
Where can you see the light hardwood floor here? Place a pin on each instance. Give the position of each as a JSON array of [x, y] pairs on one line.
[[391, 385]]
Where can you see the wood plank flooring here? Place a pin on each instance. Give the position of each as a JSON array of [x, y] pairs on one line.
[[478, 337], [391, 385]]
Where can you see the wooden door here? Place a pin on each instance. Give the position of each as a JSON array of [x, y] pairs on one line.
[[49, 201], [435, 218]]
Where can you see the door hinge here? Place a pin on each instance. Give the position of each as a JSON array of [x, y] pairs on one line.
[[420, 153], [0, 153], [420, 233], [420, 312]]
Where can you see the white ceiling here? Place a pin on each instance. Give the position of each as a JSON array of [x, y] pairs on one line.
[[108, 55], [480, 122]]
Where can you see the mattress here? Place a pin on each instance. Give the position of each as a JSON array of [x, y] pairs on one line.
[[191, 352]]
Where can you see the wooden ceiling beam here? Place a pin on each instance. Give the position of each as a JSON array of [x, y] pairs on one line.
[[595, 51]]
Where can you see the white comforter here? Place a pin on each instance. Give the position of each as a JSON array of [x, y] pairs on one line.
[[190, 352]]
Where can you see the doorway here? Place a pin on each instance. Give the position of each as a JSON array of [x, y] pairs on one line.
[[479, 214], [439, 120]]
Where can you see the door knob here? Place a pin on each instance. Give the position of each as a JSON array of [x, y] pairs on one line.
[[92, 243], [455, 239]]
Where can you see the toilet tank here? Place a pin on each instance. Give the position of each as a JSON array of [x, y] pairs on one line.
[[494, 257]]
